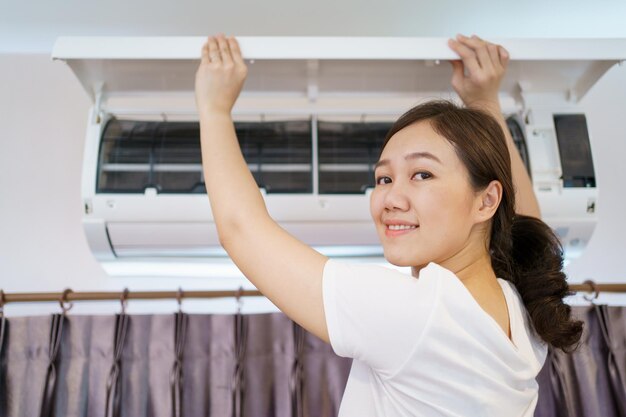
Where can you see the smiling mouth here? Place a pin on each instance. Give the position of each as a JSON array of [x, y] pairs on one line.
[[401, 227], [398, 230]]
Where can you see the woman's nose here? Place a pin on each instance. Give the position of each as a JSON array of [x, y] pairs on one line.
[[396, 197]]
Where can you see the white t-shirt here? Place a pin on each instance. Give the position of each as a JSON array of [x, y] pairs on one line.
[[425, 347]]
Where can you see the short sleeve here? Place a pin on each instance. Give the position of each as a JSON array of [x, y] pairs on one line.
[[377, 314]]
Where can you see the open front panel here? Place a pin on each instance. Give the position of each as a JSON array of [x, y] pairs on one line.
[[333, 65]]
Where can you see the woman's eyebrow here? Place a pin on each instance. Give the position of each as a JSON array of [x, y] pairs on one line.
[[414, 155]]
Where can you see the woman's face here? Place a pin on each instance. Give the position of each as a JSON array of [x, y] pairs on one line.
[[423, 202]]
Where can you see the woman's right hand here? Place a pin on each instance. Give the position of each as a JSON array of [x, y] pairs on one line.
[[477, 76], [220, 75]]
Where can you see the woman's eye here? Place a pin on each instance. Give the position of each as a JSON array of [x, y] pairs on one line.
[[383, 180], [422, 175]]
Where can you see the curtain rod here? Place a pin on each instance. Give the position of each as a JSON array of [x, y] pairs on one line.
[[69, 295]]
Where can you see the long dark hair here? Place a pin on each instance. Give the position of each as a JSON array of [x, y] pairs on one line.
[[523, 249]]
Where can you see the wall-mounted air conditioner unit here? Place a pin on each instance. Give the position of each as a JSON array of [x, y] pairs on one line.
[[310, 120]]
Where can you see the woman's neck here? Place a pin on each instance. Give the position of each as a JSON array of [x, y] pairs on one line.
[[466, 266]]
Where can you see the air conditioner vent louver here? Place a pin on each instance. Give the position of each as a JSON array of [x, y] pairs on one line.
[[135, 155], [347, 154]]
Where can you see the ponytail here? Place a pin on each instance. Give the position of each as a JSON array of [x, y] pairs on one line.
[[537, 261], [531, 257]]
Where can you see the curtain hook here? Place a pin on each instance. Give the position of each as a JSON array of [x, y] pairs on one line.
[[124, 300], [239, 301], [64, 303], [593, 288], [179, 299]]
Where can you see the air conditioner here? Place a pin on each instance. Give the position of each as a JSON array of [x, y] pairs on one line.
[[310, 120]]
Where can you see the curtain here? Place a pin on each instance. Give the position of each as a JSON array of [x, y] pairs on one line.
[[244, 365], [591, 382]]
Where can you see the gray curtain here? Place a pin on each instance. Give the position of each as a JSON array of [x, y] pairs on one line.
[[243, 365], [591, 382], [167, 365]]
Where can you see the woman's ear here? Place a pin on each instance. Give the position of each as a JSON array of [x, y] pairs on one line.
[[489, 200]]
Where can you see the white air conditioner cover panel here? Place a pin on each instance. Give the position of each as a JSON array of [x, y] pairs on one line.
[[336, 65]]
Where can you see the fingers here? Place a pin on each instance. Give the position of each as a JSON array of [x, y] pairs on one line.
[[458, 70], [480, 48], [204, 55], [224, 49], [467, 55], [499, 56], [236, 52], [214, 51], [504, 56], [457, 66], [491, 57], [494, 55]]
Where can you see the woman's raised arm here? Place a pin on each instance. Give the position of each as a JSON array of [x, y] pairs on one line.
[[285, 270], [478, 87]]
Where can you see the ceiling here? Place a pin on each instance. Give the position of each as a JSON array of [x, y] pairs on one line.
[[32, 26]]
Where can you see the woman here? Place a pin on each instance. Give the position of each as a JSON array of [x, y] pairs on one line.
[[469, 335]]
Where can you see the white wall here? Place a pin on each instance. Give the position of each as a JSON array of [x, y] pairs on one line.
[[31, 26], [43, 114]]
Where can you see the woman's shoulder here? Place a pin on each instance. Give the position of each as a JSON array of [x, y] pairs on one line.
[[387, 278], [432, 270]]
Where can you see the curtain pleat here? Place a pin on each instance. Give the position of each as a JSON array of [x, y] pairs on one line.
[[268, 363], [50, 381], [176, 375], [4, 330], [296, 380], [113, 399], [615, 358], [260, 365], [238, 384]]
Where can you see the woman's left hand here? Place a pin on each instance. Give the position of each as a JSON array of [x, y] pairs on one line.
[[220, 76], [486, 65]]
